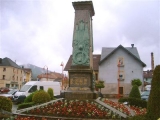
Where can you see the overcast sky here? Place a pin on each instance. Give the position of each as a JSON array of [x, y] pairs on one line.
[[40, 32]]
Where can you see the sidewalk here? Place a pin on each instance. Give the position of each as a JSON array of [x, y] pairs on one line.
[[14, 108]]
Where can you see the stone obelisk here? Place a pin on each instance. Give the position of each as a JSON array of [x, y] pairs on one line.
[[81, 79]]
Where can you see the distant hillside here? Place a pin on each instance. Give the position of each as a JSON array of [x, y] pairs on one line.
[[35, 70]]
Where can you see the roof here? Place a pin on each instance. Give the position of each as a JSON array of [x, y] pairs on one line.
[[108, 51], [96, 59], [8, 62], [27, 70], [148, 74], [51, 75]]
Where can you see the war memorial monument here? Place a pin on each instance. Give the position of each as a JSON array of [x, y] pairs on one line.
[[81, 77]]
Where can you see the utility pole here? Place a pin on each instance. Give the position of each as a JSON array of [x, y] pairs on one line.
[[62, 74], [47, 71]]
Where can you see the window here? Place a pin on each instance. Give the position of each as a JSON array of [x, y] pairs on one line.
[[25, 88], [120, 90], [4, 69], [7, 85], [13, 77], [120, 61], [41, 87], [17, 78], [3, 77], [33, 89], [121, 75]]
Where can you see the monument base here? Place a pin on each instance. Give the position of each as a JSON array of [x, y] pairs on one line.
[[81, 83], [81, 95]]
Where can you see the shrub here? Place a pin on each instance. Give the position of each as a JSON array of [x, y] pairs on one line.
[[135, 92], [140, 117], [153, 108], [134, 101], [99, 84], [136, 82], [29, 97], [41, 97], [50, 92], [5, 104], [25, 105], [123, 99]]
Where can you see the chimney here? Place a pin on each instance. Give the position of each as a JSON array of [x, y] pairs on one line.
[[132, 45], [152, 61]]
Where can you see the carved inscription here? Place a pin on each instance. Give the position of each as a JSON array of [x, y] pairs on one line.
[[78, 95], [79, 89], [80, 80]]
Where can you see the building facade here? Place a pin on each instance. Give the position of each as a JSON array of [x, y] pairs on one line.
[[27, 75], [11, 75], [118, 67]]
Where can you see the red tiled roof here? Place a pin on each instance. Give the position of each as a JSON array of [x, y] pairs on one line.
[[52, 75], [148, 74], [96, 59]]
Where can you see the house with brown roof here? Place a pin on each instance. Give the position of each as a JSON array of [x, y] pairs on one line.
[[51, 76], [147, 77]]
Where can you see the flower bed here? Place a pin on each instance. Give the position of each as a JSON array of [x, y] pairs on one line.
[[123, 108], [138, 110], [118, 106], [70, 108]]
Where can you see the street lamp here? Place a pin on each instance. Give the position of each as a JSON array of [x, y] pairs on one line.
[[47, 71], [62, 73]]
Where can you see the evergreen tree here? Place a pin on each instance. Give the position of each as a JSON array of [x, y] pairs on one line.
[[135, 92], [136, 82], [153, 107]]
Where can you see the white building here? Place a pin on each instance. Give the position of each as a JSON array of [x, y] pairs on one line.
[[117, 67]]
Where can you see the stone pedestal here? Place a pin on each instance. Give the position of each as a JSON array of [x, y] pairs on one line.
[[81, 83]]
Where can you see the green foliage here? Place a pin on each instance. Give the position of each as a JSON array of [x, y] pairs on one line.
[[99, 84], [25, 105], [41, 97], [135, 92], [140, 117], [50, 92], [134, 101], [5, 103], [136, 82], [29, 97], [123, 99], [153, 108]]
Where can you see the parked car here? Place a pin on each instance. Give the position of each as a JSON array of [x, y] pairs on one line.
[[148, 87], [10, 94], [145, 95], [4, 90]]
